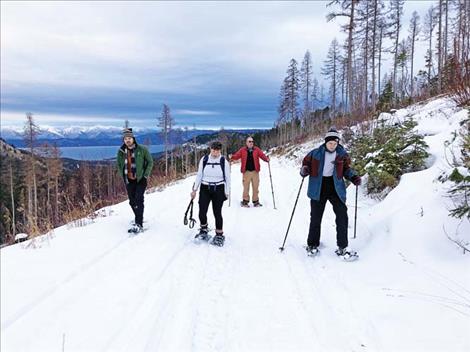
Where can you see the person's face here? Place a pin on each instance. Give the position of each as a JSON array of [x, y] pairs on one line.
[[331, 145], [215, 153], [129, 141], [250, 143]]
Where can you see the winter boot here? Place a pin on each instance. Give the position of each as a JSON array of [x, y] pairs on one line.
[[347, 254], [257, 204], [219, 240], [312, 251], [136, 228], [203, 234], [244, 203]]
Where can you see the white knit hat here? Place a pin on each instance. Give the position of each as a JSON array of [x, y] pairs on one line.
[[332, 135]]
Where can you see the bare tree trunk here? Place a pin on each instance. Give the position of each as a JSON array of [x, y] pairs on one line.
[[395, 58], [13, 208], [350, 49], [439, 50], [56, 212], [446, 33], [374, 46], [379, 77], [48, 193], [365, 99], [430, 57]]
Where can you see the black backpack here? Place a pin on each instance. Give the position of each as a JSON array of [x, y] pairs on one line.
[[205, 162]]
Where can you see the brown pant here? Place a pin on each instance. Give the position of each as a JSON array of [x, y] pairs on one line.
[[253, 178]]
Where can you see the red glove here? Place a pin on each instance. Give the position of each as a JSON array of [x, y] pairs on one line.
[[356, 180]]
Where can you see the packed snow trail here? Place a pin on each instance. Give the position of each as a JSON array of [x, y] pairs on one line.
[[96, 288]]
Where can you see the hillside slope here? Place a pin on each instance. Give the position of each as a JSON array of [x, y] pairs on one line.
[[94, 288]]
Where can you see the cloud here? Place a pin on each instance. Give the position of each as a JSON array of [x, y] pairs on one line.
[[14, 118], [196, 112], [158, 45], [116, 60]]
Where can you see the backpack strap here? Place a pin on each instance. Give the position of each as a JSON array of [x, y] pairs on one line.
[[222, 165], [204, 161]]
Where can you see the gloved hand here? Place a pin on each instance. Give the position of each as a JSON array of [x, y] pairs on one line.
[[356, 180], [304, 171]]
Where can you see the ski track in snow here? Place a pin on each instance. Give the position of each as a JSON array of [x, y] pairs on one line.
[[159, 291]]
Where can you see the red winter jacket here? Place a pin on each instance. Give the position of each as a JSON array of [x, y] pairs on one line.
[[243, 154]]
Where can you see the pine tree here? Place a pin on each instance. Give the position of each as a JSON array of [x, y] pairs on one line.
[[386, 98], [402, 61], [292, 85], [165, 122], [347, 9], [429, 25], [331, 69], [31, 130], [306, 84], [412, 38], [377, 21], [396, 13]]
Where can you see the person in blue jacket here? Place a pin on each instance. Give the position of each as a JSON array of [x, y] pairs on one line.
[[327, 166]]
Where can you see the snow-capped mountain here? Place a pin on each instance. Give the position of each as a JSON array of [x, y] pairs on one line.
[[97, 135], [94, 288], [91, 135], [72, 132]]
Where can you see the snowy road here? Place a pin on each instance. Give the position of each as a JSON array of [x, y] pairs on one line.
[[95, 288]]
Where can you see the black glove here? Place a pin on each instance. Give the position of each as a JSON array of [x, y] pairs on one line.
[[356, 180], [304, 171]]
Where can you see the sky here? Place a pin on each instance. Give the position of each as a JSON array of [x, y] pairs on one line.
[[216, 64]]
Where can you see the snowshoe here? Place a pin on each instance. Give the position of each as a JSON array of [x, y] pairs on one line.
[[135, 229], [312, 251], [202, 235], [257, 204], [218, 240], [347, 254], [244, 204]]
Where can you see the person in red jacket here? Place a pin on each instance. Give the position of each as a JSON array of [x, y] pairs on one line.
[[250, 168]]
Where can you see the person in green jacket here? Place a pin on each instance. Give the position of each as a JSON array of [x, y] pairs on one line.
[[134, 164]]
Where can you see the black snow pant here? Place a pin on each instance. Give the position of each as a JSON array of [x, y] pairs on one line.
[[135, 192], [317, 208], [216, 194]]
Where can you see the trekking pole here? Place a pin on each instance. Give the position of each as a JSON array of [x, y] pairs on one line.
[[293, 210], [189, 209], [272, 189], [355, 214]]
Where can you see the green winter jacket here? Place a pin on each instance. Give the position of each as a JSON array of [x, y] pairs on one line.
[[143, 162]]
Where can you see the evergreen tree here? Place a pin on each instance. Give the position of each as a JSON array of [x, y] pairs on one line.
[[331, 70], [165, 122], [412, 38], [306, 84]]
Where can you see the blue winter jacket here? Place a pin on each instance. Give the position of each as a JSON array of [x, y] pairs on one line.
[[315, 161]]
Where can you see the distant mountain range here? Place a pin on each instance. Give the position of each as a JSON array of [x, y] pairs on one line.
[[77, 136]]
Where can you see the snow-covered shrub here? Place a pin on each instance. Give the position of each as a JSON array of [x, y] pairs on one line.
[[387, 153], [460, 176]]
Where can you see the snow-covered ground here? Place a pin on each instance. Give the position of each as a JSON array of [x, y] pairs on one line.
[[94, 288]]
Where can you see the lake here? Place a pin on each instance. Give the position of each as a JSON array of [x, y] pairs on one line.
[[98, 152]]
